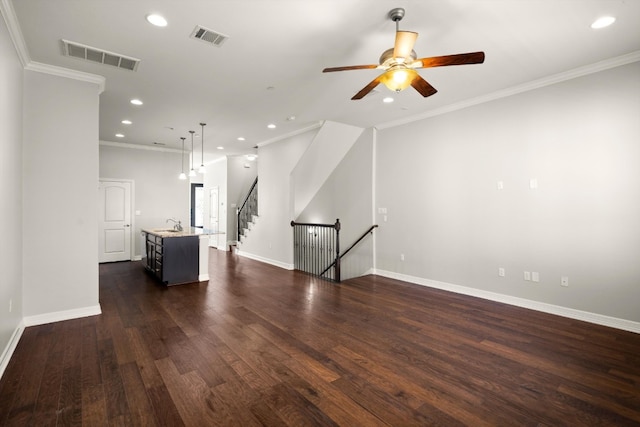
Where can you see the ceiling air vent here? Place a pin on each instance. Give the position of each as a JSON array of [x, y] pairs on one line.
[[100, 56], [209, 36]]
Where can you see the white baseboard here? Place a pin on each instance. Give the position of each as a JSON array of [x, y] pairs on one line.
[[137, 258], [11, 347], [203, 277], [265, 260], [598, 319], [59, 316]]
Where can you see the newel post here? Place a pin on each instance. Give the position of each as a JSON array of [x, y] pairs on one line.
[[337, 267]]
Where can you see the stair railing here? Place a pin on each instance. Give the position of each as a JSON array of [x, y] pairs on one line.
[[315, 246], [248, 209]]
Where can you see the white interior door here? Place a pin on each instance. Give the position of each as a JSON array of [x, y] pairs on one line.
[[214, 220], [115, 229]]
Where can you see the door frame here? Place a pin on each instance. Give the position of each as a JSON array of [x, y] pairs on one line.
[[132, 242], [192, 204]]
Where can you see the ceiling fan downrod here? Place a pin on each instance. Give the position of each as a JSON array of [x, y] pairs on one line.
[[396, 16]]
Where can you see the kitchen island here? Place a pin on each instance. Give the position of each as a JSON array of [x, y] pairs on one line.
[[176, 257]]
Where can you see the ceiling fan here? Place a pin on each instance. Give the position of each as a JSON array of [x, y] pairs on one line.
[[400, 63]]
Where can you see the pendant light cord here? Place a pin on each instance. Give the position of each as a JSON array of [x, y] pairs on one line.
[[183, 138], [192, 132], [202, 125]]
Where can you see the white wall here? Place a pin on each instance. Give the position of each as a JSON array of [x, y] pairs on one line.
[[271, 240], [579, 139], [60, 203], [327, 149], [159, 194], [11, 83], [347, 194]]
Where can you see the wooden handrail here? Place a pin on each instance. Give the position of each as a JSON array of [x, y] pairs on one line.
[[255, 182], [310, 224], [360, 238], [338, 258]]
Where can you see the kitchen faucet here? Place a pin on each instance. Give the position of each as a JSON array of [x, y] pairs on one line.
[[177, 226]]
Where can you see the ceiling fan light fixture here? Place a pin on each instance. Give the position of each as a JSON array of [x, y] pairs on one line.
[[398, 79]]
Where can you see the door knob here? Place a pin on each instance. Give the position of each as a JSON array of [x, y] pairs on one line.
[[127, 225]]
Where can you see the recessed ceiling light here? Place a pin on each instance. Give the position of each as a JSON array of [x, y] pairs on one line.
[[126, 122], [387, 100], [271, 126], [602, 22], [291, 118], [220, 148], [136, 102], [119, 135], [240, 138], [157, 20]]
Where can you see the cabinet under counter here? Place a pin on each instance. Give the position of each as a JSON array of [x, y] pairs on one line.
[[174, 257]]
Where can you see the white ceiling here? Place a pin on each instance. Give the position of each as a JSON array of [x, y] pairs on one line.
[[270, 68]]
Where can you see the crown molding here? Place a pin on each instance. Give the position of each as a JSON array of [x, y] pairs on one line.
[[15, 32], [68, 73], [10, 18], [514, 90], [139, 147], [290, 134]]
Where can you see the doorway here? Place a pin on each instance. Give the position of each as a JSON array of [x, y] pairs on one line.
[[114, 222], [197, 205], [214, 220]]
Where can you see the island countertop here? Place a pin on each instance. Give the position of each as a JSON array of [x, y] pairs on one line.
[[170, 232]]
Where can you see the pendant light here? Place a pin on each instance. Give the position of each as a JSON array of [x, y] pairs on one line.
[[182, 174], [202, 168], [192, 172]]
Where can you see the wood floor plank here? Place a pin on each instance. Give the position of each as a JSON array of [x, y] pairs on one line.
[[24, 402], [115, 397], [141, 409], [260, 345], [189, 393], [164, 407], [50, 388], [70, 403]]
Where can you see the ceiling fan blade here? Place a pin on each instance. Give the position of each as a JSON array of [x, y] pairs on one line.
[[350, 67], [422, 86], [441, 61], [368, 88], [404, 43]]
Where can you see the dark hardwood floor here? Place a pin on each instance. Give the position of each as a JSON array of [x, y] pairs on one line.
[[259, 345]]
